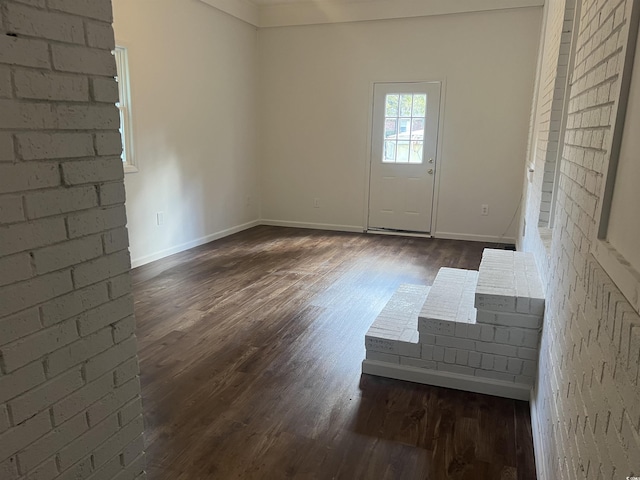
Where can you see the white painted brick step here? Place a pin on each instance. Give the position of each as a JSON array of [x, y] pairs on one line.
[[452, 349], [395, 330], [409, 373], [449, 303], [509, 282]]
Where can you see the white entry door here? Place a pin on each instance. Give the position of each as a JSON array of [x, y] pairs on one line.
[[403, 156]]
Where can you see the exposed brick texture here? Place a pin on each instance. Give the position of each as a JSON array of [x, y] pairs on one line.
[[586, 404], [69, 390], [552, 95], [438, 328]]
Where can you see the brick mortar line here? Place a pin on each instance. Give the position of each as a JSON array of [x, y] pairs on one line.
[[41, 304], [48, 9], [52, 42], [13, 68], [593, 16], [596, 106], [606, 59], [586, 50], [594, 48], [63, 216]]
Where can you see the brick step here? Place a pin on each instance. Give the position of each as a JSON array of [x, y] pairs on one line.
[[435, 337], [509, 282], [449, 305], [395, 330]]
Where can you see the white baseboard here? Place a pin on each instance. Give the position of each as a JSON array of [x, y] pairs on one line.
[[314, 226], [538, 450], [487, 386], [139, 261], [473, 238]]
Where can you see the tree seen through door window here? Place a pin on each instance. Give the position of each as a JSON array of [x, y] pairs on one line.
[[404, 124]]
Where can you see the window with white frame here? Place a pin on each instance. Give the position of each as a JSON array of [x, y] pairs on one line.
[[124, 107], [616, 247]]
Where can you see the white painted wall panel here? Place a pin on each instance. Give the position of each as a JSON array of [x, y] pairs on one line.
[[315, 97], [193, 74]]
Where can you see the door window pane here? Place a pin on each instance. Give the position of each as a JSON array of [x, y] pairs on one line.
[[403, 152], [405, 128], [389, 152], [406, 101], [417, 129], [392, 106], [415, 155], [405, 122], [390, 128], [419, 105]]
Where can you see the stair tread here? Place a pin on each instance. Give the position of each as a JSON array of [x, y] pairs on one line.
[[398, 320], [451, 297], [508, 273], [509, 282]]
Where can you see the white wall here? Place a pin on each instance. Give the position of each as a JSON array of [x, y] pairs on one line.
[[193, 73], [315, 93]]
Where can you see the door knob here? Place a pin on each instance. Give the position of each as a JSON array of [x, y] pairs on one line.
[[430, 171], [431, 160]]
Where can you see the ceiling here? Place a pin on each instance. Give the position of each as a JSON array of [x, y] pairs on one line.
[[280, 13], [277, 2]]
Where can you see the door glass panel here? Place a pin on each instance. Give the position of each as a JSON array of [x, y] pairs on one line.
[[419, 105], [392, 106], [390, 128], [389, 152], [404, 125], [403, 152], [406, 101], [417, 129], [415, 155], [405, 128]]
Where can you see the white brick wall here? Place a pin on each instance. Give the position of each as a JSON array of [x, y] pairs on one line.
[[551, 96], [586, 406], [69, 389]]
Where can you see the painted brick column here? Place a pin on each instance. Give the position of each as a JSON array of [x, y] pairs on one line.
[[70, 402]]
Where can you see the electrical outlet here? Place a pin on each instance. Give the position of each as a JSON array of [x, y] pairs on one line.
[[484, 210], [160, 218], [316, 203]]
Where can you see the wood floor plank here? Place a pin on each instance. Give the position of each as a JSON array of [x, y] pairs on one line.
[[250, 357]]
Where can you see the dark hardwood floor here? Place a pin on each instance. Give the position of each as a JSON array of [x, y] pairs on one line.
[[250, 351]]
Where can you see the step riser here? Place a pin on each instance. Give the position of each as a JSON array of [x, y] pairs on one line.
[[486, 360], [395, 330], [517, 320], [508, 282], [485, 386]]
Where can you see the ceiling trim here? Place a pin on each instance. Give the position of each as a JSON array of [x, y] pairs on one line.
[[241, 9], [332, 11]]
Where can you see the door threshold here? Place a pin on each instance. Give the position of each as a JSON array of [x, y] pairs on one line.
[[399, 233]]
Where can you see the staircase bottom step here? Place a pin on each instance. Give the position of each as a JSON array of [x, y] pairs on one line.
[[409, 373]]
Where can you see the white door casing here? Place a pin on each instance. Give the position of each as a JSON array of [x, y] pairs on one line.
[[403, 156]]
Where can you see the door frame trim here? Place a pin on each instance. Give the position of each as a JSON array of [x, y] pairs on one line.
[[436, 181]]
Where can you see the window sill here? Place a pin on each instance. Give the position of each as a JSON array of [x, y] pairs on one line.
[[546, 237], [626, 278], [130, 168]]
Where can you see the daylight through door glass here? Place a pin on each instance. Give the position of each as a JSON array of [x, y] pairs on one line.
[[404, 122]]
